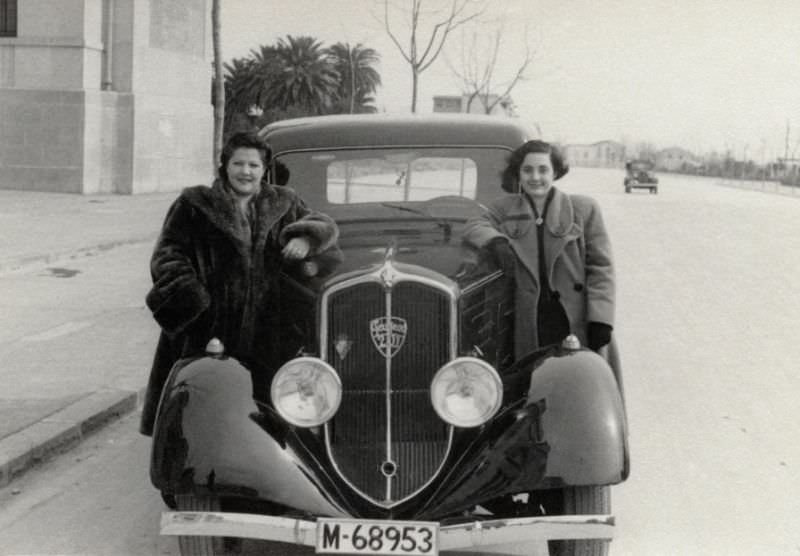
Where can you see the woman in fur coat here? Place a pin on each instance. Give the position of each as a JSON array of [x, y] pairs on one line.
[[216, 264], [556, 248]]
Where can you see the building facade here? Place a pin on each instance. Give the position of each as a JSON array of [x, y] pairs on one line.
[[603, 154], [463, 104], [105, 96], [676, 159]]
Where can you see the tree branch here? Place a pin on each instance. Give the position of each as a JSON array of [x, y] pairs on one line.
[[448, 26], [391, 35]]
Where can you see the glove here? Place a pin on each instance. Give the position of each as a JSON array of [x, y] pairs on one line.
[[503, 255], [598, 334]]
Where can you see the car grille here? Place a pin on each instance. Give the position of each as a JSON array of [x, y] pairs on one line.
[[366, 434]]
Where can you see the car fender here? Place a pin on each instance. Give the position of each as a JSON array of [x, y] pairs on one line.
[[582, 419], [211, 436]]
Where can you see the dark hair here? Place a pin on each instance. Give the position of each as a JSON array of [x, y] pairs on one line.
[[281, 173], [510, 177], [242, 140]]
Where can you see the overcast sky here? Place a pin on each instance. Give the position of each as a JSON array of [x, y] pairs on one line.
[[703, 74]]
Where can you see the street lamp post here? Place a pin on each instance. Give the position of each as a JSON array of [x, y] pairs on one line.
[[254, 112]]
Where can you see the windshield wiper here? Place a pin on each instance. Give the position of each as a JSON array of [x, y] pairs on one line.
[[446, 226]]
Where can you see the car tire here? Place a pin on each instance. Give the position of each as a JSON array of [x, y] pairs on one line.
[[627, 190], [583, 500], [202, 545]]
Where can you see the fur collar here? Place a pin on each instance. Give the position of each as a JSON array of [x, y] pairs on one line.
[[217, 205]]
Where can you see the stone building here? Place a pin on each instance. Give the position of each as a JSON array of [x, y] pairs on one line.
[[105, 96], [603, 154]]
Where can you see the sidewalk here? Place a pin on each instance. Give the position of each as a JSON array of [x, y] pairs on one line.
[[39, 229]]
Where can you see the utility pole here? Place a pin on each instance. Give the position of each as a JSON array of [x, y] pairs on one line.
[[786, 143]]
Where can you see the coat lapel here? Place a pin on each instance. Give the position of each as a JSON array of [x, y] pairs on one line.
[[271, 207], [560, 222]]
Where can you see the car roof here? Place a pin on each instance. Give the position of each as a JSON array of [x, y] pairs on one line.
[[389, 130]]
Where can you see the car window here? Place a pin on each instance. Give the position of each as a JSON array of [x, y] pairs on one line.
[[379, 179], [342, 176]]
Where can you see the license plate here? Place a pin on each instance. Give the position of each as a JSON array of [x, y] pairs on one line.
[[359, 536]]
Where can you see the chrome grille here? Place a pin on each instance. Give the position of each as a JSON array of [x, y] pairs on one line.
[[362, 435]]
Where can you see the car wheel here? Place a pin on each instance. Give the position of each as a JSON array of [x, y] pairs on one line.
[[583, 500], [201, 545], [627, 190]]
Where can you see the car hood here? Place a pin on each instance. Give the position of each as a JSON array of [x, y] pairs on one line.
[[434, 246], [417, 235]]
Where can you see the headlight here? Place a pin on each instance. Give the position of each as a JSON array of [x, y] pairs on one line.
[[466, 392], [306, 391]]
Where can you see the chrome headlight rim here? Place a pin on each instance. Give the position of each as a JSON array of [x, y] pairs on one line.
[[488, 372], [295, 366]]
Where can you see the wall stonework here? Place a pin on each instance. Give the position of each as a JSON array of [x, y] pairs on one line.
[[103, 100]]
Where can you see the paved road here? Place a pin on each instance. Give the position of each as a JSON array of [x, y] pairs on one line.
[[708, 322], [71, 328], [708, 305]]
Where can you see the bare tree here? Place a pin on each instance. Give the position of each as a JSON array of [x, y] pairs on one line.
[[219, 82], [422, 52], [477, 68]]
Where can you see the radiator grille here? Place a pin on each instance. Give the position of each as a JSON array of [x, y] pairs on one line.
[[359, 434]]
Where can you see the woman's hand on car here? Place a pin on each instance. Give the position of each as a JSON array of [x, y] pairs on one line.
[[503, 255], [297, 248], [598, 335]]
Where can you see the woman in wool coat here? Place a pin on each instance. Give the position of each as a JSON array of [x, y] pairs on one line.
[[556, 248], [215, 266]]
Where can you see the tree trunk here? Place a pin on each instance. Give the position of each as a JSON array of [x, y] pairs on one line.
[[219, 83], [414, 82]]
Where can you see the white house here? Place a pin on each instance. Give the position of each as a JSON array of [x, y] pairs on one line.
[[466, 104], [603, 154]]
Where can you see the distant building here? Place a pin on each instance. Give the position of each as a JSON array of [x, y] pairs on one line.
[[461, 104], [677, 159], [103, 96], [603, 154], [787, 170]]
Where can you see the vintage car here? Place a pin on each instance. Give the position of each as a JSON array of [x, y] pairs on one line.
[[639, 175], [400, 422]]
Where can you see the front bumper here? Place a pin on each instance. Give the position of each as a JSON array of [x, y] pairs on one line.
[[473, 534]]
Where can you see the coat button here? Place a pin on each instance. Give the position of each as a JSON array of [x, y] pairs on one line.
[[578, 287]]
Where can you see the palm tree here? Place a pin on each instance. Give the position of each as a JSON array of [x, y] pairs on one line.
[[308, 80], [241, 89], [359, 79]]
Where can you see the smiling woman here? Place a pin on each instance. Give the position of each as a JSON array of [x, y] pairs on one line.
[[216, 264]]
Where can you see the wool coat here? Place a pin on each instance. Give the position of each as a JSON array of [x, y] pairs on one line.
[[577, 255], [216, 277]]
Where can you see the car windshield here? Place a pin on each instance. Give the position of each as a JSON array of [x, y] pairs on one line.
[[643, 166], [391, 175]]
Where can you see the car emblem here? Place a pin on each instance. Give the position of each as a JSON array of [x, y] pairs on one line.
[[342, 346], [388, 334]]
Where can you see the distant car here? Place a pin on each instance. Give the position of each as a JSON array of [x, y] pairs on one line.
[[638, 175], [400, 422]]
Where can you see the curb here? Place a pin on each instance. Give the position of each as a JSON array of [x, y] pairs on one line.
[[62, 430], [28, 261]]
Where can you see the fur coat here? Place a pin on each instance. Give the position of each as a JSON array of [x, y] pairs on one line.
[[214, 277], [577, 255]]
